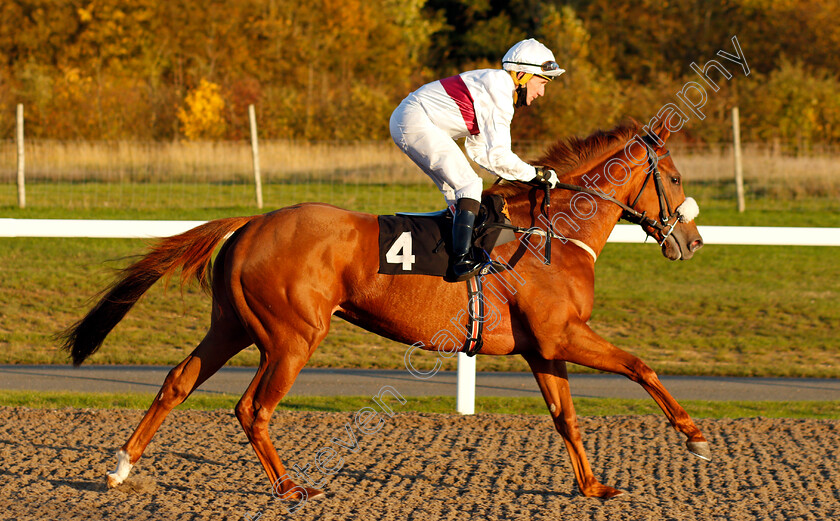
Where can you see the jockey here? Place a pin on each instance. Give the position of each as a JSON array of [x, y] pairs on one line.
[[476, 105]]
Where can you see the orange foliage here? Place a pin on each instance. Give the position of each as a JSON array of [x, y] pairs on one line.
[[203, 116], [334, 69]]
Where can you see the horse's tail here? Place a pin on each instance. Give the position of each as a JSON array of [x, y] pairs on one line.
[[191, 251]]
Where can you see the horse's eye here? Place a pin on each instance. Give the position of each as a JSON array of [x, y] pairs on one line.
[[675, 180]]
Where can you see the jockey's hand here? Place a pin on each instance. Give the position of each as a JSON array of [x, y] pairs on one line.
[[546, 176]]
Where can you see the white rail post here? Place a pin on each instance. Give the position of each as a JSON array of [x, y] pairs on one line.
[[21, 184], [465, 401], [255, 156], [739, 172]]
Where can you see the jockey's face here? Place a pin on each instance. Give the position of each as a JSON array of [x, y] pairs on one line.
[[535, 87]]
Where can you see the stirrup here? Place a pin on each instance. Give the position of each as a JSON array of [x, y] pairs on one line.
[[492, 266], [466, 269]]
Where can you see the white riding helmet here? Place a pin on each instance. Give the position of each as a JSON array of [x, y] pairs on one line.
[[532, 57]]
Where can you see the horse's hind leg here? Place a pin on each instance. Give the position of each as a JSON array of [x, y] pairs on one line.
[[278, 370], [225, 338], [553, 380]]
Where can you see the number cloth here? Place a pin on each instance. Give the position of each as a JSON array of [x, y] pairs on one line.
[[421, 245]]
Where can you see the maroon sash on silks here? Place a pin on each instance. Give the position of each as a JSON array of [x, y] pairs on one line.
[[458, 91]]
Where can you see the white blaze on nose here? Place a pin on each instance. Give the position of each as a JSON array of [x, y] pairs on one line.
[[688, 210]]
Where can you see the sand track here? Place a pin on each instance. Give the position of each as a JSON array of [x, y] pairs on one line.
[[418, 467]]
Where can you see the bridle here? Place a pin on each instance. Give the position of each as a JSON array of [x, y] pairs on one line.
[[668, 218], [663, 227]]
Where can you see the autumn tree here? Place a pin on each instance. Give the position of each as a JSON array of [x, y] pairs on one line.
[[335, 69]]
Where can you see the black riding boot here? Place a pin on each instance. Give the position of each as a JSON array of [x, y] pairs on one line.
[[464, 267]]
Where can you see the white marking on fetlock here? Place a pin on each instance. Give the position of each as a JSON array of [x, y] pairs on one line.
[[121, 472], [553, 408]]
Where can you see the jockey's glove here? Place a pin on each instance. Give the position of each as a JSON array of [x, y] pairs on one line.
[[546, 176]]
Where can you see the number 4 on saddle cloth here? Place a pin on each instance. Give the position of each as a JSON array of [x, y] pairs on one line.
[[421, 243]]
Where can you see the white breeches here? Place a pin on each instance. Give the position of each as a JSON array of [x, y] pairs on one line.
[[435, 152]]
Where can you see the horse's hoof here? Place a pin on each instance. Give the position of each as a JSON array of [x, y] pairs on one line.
[[294, 494], [613, 494], [113, 480], [700, 449], [603, 492], [118, 475]]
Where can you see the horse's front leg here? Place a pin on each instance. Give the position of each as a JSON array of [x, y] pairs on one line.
[[580, 345], [554, 383]]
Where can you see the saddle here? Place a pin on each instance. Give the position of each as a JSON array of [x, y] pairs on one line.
[[421, 243]]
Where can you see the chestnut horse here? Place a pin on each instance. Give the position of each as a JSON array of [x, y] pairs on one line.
[[279, 277]]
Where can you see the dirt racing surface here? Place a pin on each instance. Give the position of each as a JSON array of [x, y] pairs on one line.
[[416, 467]]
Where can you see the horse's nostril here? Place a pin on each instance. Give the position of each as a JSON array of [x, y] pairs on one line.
[[695, 245]]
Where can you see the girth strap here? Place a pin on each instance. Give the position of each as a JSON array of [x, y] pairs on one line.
[[475, 316]]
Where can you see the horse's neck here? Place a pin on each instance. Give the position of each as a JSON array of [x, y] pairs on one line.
[[585, 218]]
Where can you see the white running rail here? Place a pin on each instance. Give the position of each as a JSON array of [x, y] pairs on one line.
[[744, 235]]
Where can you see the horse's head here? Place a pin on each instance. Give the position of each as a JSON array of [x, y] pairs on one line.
[[669, 215], [634, 175]]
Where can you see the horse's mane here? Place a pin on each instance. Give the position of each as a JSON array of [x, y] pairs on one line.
[[569, 153]]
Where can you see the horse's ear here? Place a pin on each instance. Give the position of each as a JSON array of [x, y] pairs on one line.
[[661, 129]]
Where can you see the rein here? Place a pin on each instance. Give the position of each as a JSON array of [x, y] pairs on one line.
[[664, 225]]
